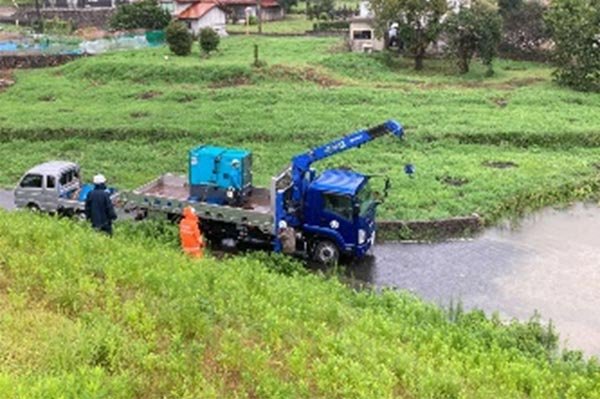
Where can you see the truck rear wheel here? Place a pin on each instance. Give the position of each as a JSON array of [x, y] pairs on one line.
[[326, 253]]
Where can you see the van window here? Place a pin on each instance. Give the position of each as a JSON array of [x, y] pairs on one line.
[[32, 181], [50, 182]]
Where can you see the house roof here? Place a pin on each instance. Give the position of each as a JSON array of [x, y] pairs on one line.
[[196, 10]]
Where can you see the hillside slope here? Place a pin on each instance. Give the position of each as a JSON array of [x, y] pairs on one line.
[[495, 146], [82, 315]]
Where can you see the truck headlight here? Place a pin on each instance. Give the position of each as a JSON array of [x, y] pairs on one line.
[[362, 236], [230, 193]]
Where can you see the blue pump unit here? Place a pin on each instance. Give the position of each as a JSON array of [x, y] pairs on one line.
[[220, 175]]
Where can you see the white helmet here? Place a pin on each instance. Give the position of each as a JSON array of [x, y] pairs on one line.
[[99, 179]]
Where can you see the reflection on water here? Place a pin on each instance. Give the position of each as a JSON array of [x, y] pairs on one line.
[[549, 263]]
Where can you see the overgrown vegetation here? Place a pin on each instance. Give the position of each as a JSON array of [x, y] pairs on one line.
[[575, 28], [124, 318]]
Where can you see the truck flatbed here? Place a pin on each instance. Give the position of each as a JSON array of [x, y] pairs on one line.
[[170, 194]]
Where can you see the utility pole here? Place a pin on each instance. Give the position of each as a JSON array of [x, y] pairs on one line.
[[259, 15], [38, 14]]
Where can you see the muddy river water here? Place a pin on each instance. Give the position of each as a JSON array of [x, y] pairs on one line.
[[549, 263]]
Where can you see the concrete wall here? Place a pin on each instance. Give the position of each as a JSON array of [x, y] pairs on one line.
[[80, 18]]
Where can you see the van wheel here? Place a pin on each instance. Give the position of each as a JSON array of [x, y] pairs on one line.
[[326, 253], [33, 208]]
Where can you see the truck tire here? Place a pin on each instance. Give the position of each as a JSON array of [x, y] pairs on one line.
[[326, 253]]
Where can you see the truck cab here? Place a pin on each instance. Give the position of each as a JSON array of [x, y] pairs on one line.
[[339, 210]]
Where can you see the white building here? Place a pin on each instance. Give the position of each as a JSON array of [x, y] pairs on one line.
[[199, 15], [362, 35]]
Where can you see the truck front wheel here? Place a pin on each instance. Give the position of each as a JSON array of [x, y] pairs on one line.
[[326, 253]]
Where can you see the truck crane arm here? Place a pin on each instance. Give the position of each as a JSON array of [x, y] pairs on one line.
[[301, 163]]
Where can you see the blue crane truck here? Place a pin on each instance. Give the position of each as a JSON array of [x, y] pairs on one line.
[[321, 216]]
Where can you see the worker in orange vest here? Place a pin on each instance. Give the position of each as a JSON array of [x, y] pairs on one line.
[[190, 234]]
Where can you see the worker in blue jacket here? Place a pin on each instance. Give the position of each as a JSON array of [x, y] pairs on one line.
[[99, 208]]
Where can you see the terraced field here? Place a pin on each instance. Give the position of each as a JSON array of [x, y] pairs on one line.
[[133, 115]]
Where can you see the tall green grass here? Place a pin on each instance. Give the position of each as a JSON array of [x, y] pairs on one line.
[[451, 179], [87, 316]]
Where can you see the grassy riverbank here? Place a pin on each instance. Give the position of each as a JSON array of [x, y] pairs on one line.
[[126, 318]]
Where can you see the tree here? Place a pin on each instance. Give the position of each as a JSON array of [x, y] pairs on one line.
[[320, 9], [209, 40], [490, 35], [179, 38], [463, 35], [475, 29], [287, 4], [146, 14], [575, 29], [420, 23], [524, 29], [509, 7]]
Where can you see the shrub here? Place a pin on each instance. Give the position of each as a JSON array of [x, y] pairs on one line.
[[179, 38], [209, 40], [146, 14], [574, 29]]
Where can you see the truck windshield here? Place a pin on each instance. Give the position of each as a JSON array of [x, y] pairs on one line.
[[365, 199]]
